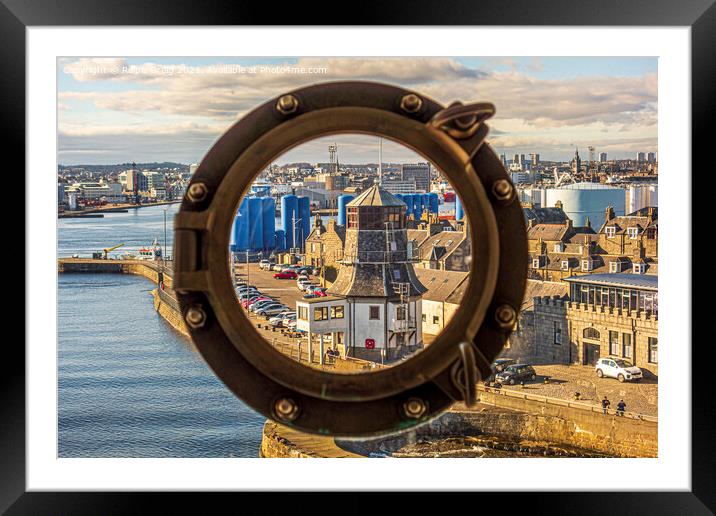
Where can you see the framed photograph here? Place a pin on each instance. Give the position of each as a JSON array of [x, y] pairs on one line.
[[430, 237]]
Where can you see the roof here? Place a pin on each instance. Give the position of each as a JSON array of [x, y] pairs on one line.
[[547, 231], [446, 241], [640, 281], [545, 215], [535, 288], [440, 284], [375, 196]]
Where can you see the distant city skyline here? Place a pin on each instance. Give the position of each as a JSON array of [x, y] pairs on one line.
[[115, 110]]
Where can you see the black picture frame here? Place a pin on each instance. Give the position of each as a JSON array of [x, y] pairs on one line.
[[700, 15]]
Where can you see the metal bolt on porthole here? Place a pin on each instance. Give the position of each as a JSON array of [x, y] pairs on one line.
[[502, 190], [381, 400], [415, 408], [197, 192], [411, 103], [505, 316], [286, 409], [195, 317], [287, 104]]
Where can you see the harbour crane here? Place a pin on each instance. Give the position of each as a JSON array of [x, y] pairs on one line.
[[109, 249]]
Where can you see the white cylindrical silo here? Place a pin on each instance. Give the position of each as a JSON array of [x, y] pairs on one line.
[[582, 200]]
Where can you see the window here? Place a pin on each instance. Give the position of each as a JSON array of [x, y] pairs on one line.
[[653, 354], [535, 263], [615, 266], [559, 247], [639, 268], [614, 343], [587, 265], [336, 312], [425, 318], [374, 313], [396, 274], [557, 333], [400, 313], [633, 233], [565, 265], [591, 333], [320, 314], [626, 345], [436, 319], [611, 231], [303, 313]]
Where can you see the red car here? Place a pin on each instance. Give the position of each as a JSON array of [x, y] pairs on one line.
[[248, 302], [285, 275]]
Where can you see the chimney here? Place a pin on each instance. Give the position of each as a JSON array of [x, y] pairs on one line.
[[587, 223], [650, 213], [559, 205], [609, 213]]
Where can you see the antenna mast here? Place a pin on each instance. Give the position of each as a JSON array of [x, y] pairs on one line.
[[380, 161]]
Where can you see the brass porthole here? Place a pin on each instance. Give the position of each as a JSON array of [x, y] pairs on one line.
[[386, 400]]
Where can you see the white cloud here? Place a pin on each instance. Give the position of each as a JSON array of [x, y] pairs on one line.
[[532, 113]]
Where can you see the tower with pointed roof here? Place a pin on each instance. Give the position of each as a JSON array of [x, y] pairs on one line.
[[377, 279]]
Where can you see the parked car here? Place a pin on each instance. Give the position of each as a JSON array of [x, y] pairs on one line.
[[260, 304], [289, 274], [502, 363], [250, 302], [316, 271], [618, 368], [318, 290], [516, 373], [265, 265], [310, 295], [271, 310], [304, 286], [277, 267], [282, 318]]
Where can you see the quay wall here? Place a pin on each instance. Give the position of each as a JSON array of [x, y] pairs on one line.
[[166, 305], [497, 416], [148, 269]]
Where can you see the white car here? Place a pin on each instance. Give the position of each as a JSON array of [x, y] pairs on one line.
[[265, 265], [618, 368], [282, 318]]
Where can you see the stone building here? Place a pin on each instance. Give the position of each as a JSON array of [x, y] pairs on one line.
[[448, 250], [324, 247], [557, 250], [374, 305], [603, 315]]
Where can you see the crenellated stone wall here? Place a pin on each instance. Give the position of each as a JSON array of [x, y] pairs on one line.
[[574, 318]]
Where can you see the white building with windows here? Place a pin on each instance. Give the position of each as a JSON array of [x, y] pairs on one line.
[[374, 308]]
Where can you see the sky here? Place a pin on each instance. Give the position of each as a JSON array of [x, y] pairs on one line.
[[145, 109]]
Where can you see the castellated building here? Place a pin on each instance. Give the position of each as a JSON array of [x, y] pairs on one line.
[[374, 307]]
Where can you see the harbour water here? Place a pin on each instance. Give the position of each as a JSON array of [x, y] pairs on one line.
[[128, 384]]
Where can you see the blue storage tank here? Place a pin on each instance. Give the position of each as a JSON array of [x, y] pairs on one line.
[[304, 213], [418, 206], [433, 203], [256, 232], [343, 200], [268, 213], [408, 200], [280, 236], [289, 210], [242, 226], [459, 210]]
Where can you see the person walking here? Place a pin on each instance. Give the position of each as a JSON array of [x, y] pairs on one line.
[[605, 405], [621, 406]]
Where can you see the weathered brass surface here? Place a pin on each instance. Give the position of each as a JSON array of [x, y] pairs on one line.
[[386, 400]]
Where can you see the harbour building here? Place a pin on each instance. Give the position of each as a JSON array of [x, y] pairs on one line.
[[374, 308]]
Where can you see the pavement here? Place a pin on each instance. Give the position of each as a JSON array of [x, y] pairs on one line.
[[565, 380]]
